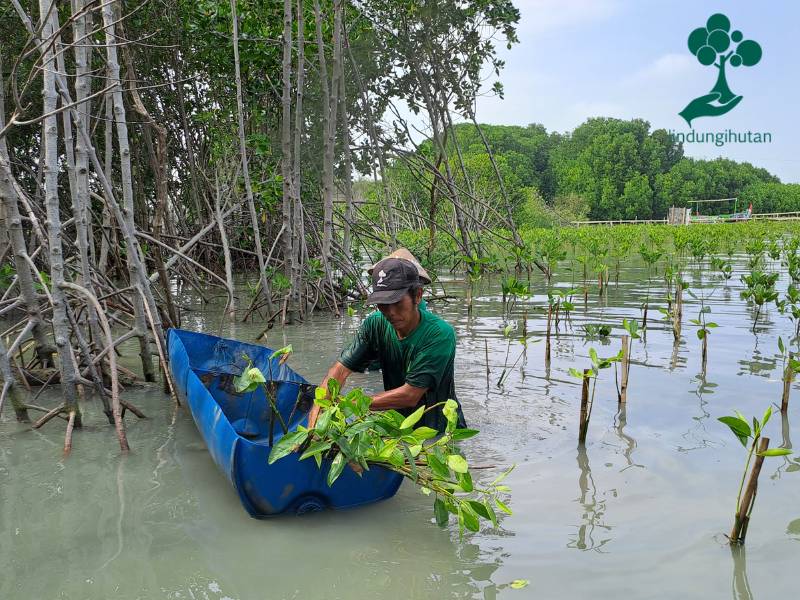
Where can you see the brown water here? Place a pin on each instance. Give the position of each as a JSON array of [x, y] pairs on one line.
[[640, 513]]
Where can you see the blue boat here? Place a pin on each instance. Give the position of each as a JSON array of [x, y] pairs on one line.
[[237, 429]]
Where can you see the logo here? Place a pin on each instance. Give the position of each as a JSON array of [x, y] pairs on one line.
[[381, 275], [716, 45]]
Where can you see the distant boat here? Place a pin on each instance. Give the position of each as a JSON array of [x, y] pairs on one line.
[[236, 429]]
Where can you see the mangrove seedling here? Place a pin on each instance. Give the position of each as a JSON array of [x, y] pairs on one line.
[[594, 330], [590, 376], [758, 447], [791, 367], [760, 290], [513, 289], [704, 327], [791, 303], [650, 257], [347, 432], [632, 329], [251, 378]]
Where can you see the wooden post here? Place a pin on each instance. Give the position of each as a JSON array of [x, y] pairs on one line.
[[623, 388], [788, 377], [486, 349], [705, 351], [739, 530], [584, 419], [547, 335]]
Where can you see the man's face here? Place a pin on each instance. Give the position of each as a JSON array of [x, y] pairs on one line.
[[401, 314]]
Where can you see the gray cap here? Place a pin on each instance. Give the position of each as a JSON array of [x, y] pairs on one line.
[[391, 280]]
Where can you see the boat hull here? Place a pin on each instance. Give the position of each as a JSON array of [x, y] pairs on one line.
[[236, 429]]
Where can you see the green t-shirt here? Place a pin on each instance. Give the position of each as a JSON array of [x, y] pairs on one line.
[[423, 359]]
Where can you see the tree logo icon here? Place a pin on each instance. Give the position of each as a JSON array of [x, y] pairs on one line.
[[715, 44]]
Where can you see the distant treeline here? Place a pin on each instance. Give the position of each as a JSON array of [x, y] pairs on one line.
[[604, 169]]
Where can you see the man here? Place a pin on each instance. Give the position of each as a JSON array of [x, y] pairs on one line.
[[415, 348]]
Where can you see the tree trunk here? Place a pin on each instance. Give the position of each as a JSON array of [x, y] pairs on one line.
[[286, 141], [69, 375], [121, 125], [262, 268], [295, 310]]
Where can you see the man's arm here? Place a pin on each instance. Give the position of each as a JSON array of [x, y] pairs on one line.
[[338, 372], [406, 396]]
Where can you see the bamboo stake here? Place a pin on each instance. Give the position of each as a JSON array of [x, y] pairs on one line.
[[547, 337], [742, 520], [788, 377], [486, 350], [584, 419], [625, 368]]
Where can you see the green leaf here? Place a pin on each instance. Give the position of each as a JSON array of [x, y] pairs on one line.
[[593, 356], [738, 426], [285, 351], [412, 419], [450, 411], [502, 506], [336, 468], [286, 444], [322, 424], [767, 415], [479, 509], [463, 434], [438, 467], [518, 584], [775, 452], [471, 521], [503, 475], [457, 463], [424, 433], [440, 512], [465, 481], [780, 345], [576, 373], [317, 447]]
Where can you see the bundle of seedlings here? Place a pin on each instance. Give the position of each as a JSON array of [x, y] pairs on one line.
[[347, 434]]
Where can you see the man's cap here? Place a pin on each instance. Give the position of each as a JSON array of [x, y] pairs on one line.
[[391, 279], [406, 255]]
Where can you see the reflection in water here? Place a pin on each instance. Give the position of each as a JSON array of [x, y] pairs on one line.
[[593, 509], [788, 465], [760, 365], [740, 586], [630, 443], [697, 433]]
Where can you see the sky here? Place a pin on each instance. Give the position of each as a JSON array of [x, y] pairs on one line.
[[627, 59]]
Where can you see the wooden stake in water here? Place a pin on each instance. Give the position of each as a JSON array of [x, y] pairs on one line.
[[584, 419], [788, 376], [486, 349], [625, 368], [739, 531], [547, 336]]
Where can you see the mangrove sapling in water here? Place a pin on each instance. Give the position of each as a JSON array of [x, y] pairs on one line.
[[347, 432], [507, 330], [587, 398], [760, 290], [650, 257], [758, 447], [791, 366], [791, 302], [513, 289], [632, 327]]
